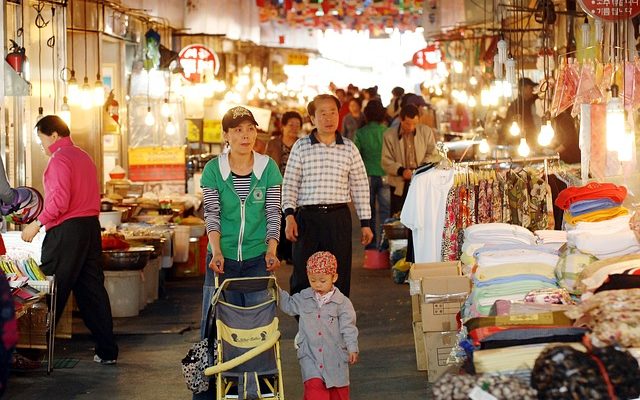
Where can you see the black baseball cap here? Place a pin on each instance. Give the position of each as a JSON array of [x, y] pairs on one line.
[[235, 117]]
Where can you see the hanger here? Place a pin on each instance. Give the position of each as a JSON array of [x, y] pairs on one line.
[[445, 163]]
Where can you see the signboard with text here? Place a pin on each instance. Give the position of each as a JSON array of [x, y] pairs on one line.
[[611, 10], [297, 59], [428, 58], [198, 61], [157, 163]]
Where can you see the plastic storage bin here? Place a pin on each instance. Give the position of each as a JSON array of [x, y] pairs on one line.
[[181, 235], [123, 288]]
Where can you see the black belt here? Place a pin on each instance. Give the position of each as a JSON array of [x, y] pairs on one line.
[[324, 208]]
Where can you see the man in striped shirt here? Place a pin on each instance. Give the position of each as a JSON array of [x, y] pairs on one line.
[[324, 172]]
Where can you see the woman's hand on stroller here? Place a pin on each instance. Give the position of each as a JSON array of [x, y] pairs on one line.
[[272, 261], [353, 358], [217, 263]]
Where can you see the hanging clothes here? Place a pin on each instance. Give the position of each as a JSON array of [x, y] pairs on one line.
[[496, 201], [472, 202], [450, 240], [424, 212], [538, 215], [484, 202]]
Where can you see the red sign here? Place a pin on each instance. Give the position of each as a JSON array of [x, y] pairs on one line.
[[163, 172], [611, 10], [198, 61], [428, 58]]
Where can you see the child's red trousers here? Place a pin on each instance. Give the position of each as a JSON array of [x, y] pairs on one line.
[[315, 389]]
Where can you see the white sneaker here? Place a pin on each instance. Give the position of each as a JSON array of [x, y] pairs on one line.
[[296, 345], [99, 360]]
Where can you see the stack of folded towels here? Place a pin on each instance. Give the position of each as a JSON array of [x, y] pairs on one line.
[[551, 238], [509, 272], [593, 202], [597, 229], [496, 234], [604, 239]]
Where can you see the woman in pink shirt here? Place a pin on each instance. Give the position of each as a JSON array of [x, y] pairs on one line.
[[72, 246]]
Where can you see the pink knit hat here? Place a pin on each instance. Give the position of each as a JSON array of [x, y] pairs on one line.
[[322, 262]]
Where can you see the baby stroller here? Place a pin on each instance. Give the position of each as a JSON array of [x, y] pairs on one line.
[[248, 361]]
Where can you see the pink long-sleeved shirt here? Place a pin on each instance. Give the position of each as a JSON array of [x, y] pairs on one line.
[[70, 185]]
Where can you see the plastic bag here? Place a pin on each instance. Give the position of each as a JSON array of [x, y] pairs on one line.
[[587, 92]]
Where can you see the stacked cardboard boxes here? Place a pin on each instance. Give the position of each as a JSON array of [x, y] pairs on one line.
[[437, 292]]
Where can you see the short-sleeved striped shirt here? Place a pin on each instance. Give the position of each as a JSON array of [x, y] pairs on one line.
[[319, 173]]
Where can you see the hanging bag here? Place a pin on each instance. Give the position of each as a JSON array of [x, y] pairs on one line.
[[201, 355]]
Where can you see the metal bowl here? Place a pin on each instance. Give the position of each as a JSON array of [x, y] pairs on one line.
[[132, 259], [157, 242]]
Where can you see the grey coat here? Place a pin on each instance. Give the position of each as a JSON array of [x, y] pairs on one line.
[[327, 335], [393, 153]]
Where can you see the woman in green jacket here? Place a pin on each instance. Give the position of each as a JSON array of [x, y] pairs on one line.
[[241, 193]]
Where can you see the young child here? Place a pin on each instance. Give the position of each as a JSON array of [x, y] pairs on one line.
[[327, 337]]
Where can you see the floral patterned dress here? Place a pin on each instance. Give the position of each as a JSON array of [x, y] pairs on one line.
[[506, 209], [484, 202], [450, 239], [472, 204], [463, 215], [518, 195], [496, 201], [538, 204]]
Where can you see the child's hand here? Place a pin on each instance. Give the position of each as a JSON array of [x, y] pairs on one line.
[[353, 358]]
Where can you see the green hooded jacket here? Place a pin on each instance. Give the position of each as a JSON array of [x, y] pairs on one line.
[[243, 224]]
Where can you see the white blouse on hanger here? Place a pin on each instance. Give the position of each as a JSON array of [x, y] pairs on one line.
[[424, 212]]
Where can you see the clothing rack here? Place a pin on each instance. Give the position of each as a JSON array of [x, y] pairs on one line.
[[544, 159], [506, 160]]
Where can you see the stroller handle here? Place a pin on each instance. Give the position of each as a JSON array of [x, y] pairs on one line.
[[246, 283]]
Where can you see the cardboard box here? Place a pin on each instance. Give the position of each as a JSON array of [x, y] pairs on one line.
[[421, 349], [441, 315], [422, 270], [416, 315], [439, 280], [438, 346]]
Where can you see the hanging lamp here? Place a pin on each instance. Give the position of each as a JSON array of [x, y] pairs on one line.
[[615, 121], [149, 119], [510, 66], [523, 148], [546, 133], [73, 88], [484, 147], [65, 112], [599, 24], [514, 129], [497, 66], [98, 87], [86, 97], [502, 49], [585, 28], [170, 129], [165, 110]]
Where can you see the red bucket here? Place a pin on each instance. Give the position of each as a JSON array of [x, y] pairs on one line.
[[374, 259]]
